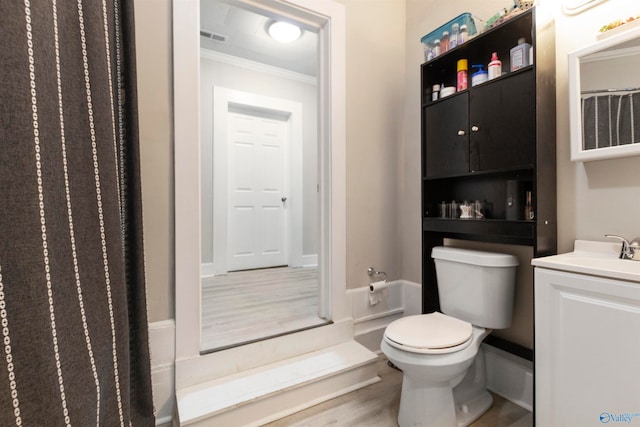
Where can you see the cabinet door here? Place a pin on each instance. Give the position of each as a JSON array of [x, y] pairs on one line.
[[447, 140], [587, 349], [502, 120]]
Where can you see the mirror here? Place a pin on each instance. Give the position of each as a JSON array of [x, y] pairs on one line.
[[604, 90], [259, 177]]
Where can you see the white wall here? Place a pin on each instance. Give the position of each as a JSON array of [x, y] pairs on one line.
[[230, 76]]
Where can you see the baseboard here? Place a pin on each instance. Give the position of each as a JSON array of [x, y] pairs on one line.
[[370, 320], [310, 260], [509, 376], [207, 269], [162, 347]]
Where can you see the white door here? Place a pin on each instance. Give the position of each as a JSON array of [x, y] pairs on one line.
[[257, 191]]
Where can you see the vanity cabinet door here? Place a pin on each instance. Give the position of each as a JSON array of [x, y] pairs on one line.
[[447, 140], [503, 123], [587, 349]]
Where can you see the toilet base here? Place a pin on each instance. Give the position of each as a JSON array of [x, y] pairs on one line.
[[425, 404], [471, 396], [473, 409]]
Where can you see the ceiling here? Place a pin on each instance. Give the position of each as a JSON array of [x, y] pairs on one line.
[[235, 30]]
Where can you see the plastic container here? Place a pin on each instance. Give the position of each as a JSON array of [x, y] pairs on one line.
[[463, 76], [520, 55], [464, 19], [479, 76], [446, 91], [495, 66]]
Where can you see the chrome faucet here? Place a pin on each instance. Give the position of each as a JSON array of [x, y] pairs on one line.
[[629, 250]]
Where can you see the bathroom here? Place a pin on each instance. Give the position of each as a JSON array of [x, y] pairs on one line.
[[382, 156], [374, 208]]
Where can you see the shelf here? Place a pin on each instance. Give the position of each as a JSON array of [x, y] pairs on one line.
[[500, 39], [522, 20], [477, 140], [527, 169], [518, 232], [508, 75]]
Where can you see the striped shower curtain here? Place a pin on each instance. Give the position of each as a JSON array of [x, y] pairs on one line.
[[73, 321]]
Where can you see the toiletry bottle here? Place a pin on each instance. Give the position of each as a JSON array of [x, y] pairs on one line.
[[495, 66], [435, 92], [428, 53], [479, 76], [528, 208], [520, 55], [463, 36], [444, 42], [453, 38], [463, 77], [436, 48]]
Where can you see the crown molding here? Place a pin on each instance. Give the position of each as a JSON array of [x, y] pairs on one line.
[[257, 66]]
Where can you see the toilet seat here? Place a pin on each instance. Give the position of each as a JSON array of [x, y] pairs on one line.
[[433, 333]]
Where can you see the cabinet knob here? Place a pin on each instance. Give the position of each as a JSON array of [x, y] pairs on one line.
[[461, 133], [475, 128]]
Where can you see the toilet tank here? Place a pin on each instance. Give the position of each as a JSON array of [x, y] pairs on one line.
[[476, 286]]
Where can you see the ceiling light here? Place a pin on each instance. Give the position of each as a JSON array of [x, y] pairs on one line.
[[284, 32]]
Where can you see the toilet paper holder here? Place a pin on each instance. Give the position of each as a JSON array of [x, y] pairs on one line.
[[373, 274]]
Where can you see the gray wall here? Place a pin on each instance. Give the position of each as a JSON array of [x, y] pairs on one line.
[[155, 103]]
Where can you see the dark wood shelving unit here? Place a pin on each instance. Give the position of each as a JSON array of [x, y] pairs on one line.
[[475, 140]]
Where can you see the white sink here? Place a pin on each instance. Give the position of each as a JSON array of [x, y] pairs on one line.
[[594, 258]]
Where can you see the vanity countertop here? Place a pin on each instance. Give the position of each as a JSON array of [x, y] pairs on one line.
[[593, 258]]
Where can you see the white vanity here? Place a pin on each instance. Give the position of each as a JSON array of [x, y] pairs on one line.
[[587, 337]]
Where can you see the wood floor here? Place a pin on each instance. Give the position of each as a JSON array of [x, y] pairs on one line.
[[246, 306], [377, 406]]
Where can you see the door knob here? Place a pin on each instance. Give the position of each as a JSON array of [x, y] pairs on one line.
[[474, 128], [461, 133], [284, 199]]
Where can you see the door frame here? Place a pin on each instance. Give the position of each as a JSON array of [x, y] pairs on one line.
[[223, 100], [191, 367]]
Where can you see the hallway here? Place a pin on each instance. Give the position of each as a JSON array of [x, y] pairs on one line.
[[245, 306]]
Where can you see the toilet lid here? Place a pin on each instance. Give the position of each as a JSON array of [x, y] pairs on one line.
[[429, 331]]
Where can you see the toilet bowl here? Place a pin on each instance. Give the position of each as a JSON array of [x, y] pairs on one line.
[[439, 353], [430, 378]]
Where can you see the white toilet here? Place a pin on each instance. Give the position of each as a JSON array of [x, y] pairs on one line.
[[439, 353]]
